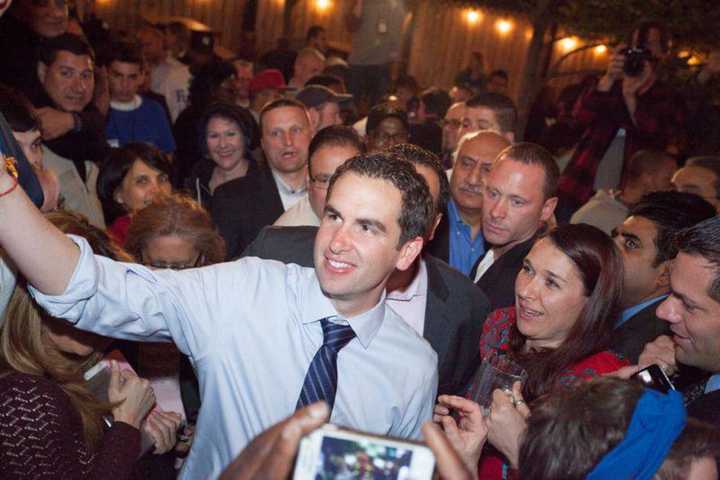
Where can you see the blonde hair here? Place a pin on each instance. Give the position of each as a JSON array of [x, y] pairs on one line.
[[26, 348]]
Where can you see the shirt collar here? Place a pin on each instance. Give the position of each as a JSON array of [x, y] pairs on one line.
[[713, 383], [628, 313], [284, 187], [453, 215], [133, 104], [317, 306], [417, 288]]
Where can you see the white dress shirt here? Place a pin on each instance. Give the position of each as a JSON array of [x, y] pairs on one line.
[[251, 328], [288, 195], [410, 303], [299, 215]]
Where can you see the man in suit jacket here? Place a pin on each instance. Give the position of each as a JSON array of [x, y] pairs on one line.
[[518, 200], [242, 207], [645, 240], [439, 303], [693, 312]]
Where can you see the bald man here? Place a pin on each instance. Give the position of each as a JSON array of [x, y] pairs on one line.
[[459, 240]]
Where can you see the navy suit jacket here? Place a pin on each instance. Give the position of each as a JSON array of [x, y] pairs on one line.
[[454, 313]]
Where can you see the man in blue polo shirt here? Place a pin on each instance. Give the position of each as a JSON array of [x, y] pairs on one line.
[[646, 241], [133, 118]]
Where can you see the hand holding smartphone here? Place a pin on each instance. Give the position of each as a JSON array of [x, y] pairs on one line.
[[654, 377]]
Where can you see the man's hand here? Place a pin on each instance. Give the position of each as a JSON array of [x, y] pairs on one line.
[[162, 428], [270, 455], [449, 464], [660, 351], [467, 438], [615, 69], [54, 123]]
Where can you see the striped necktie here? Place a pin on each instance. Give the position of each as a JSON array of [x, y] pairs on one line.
[[321, 378]]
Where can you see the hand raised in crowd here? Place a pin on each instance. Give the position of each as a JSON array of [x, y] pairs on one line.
[[507, 422], [469, 436], [614, 70], [162, 428], [134, 395], [631, 85], [660, 351], [54, 123], [270, 455]]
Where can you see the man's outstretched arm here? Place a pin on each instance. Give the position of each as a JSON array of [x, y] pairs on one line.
[[42, 253]]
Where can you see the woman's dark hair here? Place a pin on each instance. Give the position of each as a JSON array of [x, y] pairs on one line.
[[17, 110], [570, 431], [117, 165], [600, 267], [239, 115], [206, 80], [177, 215]]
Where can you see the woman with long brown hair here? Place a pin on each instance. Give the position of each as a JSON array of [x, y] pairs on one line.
[[51, 424], [567, 297]]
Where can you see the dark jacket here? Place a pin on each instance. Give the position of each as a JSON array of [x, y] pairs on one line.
[[630, 338], [439, 246], [498, 283], [242, 207], [454, 313], [18, 55]]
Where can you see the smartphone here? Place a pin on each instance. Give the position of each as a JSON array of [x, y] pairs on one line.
[[654, 377], [332, 452]]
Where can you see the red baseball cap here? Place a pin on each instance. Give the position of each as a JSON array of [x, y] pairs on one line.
[[269, 78]]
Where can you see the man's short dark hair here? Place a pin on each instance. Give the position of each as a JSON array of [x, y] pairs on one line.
[[703, 240], [279, 103], [708, 162], [501, 105], [500, 73], [570, 432], [126, 52], [335, 136], [416, 207], [313, 32], [326, 80], [75, 44], [534, 154], [671, 212], [419, 156], [380, 112], [646, 161], [437, 101], [644, 27]]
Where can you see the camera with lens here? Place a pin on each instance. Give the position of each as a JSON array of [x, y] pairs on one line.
[[635, 58]]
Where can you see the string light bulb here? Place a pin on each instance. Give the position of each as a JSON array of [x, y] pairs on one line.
[[472, 16], [503, 26], [568, 43], [600, 50], [322, 4]]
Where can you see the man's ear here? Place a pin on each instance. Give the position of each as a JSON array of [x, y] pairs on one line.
[[548, 209], [409, 252], [41, 71], [663, 279]]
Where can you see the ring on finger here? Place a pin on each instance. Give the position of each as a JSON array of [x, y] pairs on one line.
[[517, 402]]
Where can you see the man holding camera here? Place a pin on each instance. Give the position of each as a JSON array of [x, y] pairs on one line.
[[628, 110]]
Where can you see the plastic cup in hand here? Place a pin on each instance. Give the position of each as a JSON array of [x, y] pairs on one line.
[[495, 371]]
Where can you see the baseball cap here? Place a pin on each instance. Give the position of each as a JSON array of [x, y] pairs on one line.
[[268, 78], [315, 95], [382, 111]]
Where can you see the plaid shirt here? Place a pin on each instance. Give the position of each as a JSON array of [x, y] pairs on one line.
[[660, 119]]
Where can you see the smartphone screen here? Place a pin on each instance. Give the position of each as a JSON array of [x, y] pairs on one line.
[[653, 377], [334, 453]]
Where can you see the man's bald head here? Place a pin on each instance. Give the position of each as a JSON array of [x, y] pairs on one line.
[[473, 160]]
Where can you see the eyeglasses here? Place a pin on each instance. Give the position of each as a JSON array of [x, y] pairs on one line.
[[174, 266], [321, 181]]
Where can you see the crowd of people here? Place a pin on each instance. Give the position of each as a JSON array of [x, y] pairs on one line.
[[204, 259]]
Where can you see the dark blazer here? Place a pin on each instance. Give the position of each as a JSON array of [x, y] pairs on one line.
[[630, 338], [498, 283], [454, 314], [706, 408], [242, 207], [439, 246]]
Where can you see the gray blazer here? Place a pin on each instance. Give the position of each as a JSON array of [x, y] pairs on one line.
[[454, 314]]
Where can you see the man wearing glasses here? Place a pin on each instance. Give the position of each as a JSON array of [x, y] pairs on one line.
[[327, 151]]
